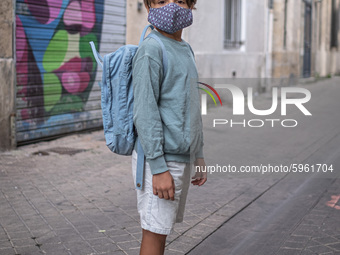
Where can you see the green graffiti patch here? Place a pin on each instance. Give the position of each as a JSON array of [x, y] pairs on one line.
[[52, 91], [56, 51], [68, 103]]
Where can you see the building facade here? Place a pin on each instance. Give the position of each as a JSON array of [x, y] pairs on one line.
[[223, 48], [258, 39], [305, 38]]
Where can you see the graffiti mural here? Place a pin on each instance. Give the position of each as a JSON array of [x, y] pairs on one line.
[[55, 67]]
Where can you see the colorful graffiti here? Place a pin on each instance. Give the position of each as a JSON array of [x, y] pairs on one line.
[[55, 67]]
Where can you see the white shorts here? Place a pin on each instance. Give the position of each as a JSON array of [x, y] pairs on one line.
[[160, 215]]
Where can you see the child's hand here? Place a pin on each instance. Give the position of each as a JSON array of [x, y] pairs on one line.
[[200, 177], [163, 185]]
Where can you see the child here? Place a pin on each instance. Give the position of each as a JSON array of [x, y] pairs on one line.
[[168, 120]]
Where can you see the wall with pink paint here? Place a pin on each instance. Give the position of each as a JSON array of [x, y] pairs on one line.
[[57, 90]]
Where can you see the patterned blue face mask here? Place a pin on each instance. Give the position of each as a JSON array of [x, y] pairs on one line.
[[170, 18]]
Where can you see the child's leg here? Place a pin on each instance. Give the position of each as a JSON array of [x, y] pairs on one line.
[[158, 216], [152, 243]]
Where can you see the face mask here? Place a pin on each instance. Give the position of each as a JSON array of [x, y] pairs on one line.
[[170, 18]]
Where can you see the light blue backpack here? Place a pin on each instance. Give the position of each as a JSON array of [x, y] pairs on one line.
[[117, 100]]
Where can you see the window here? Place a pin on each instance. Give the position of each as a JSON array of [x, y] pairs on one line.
[[232, 33]]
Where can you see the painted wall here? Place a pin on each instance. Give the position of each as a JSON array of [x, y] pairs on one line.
[[206, 38], [136, 20], [56, 70]]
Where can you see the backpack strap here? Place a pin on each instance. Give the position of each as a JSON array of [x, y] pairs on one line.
[[140, 165], [140, 151], [96, 55], [144, 32]]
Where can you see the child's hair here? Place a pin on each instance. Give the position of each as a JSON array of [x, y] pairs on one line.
[[191, 3]]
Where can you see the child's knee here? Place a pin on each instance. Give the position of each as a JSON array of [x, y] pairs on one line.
[[155, 236]]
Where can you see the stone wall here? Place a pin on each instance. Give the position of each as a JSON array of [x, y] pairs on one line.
[[7, 75], [287, 59]]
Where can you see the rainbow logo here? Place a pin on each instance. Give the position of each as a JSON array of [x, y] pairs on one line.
[[204, 97], [209, 93]]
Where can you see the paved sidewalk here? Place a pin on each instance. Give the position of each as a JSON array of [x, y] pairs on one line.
[[86, 204]]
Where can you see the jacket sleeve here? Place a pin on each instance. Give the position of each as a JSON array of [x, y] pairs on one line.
[[199, 153], [147, 78]]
